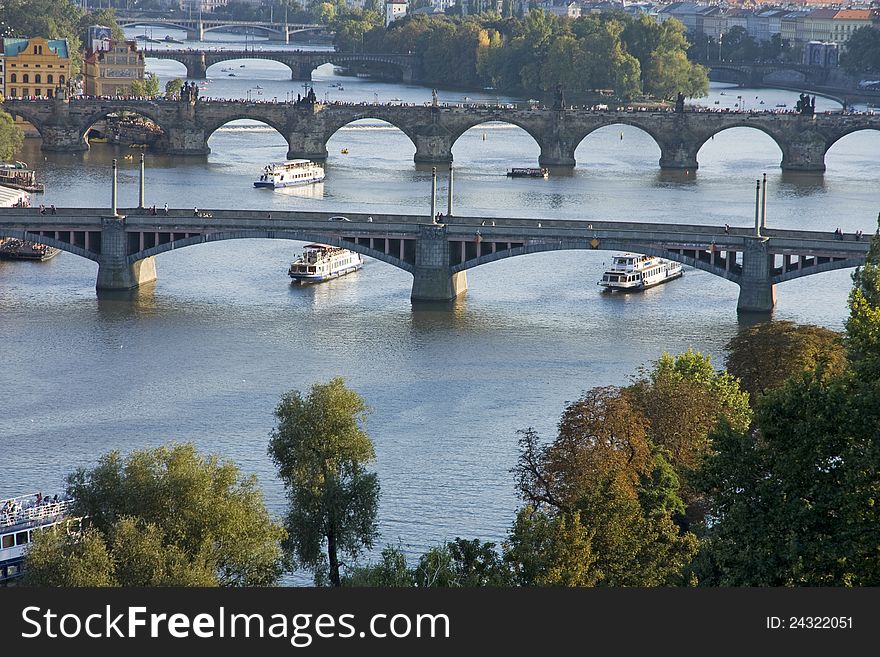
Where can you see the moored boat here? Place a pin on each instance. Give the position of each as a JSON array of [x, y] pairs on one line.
[[20, 176], [290, 172], [16, 249], [528, 172], [20, 518], [320, 262], [634, 271]]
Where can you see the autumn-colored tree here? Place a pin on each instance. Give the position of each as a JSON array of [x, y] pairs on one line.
[[765, 355]]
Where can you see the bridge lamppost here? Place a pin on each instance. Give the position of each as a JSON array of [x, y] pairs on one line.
[[720, 40]]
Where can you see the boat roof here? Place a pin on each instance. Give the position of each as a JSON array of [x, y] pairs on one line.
[[318, 246], [288, 163]]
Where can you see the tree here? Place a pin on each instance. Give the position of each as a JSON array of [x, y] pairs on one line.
[[11, 137], [163, 516], [765, 355], [173, 87], [148, 87], [391, 571], [794, 501], [603, 470], [862, 54], [461, 563], [321, 450]]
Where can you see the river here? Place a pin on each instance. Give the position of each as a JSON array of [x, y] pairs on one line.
[[205, 353]]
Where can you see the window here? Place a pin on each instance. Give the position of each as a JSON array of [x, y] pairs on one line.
[[8, 541], [21, 538], [24, 92], [38, 79], [60, 79], [50, 79], [25, 78], [14, 79], [13, 94]]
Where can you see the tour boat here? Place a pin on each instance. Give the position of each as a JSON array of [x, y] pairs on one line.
[[16, 249], [528, 172], [290, 172], [633, 271], [20, 176], [320, 262], [20, 519]]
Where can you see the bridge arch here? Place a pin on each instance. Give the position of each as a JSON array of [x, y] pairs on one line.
[[605, 245], [818, 269], [296, 235], [141, 110], [213, 126], [376, 113], [49, 241], [270, 31], [581, 140], [733, 152], [849, 130], [20, 111], [148, 22], [476, 121]]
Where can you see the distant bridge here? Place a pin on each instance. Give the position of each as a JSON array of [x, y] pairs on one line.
[[197, 27], [433, 130], [437, 255], [301, 62]]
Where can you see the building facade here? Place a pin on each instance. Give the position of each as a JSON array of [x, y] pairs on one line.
[[110, 72], [36, 66], [394, 9]]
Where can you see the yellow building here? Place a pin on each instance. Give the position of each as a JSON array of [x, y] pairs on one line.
[[35, 66], [110, 72]]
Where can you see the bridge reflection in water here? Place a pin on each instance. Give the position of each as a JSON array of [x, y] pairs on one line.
[[437, 255]]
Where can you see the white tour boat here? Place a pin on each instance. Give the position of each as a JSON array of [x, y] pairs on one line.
[[290, 172], [320, 262], [20, 518], [634, 271]]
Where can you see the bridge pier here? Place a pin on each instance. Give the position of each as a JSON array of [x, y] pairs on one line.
[[678, 154], [197, 67], [757, 293], [115, 272], [555, 153], [804, 153], [432, 278], [63, 138], [187, 140], [433, 146], [300, 70], [306, 145]]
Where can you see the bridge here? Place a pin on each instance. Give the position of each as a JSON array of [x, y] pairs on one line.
[[197, 27], [125, 245], [301, 62], [762, 75], [63, 125]]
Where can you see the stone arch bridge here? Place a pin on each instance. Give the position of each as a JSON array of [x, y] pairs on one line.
[[301, 62], [803, 140], [197, 27], [437, 255]]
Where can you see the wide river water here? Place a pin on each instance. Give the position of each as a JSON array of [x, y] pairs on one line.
[[205, 353]]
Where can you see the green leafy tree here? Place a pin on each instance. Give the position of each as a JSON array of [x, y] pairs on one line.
[[391, 571], [11, 137], [56, 558], [167, 516], [863, 324], [461, 563], [173, 87], [862, 53], [551, 549], [321, 450], [765, 355]]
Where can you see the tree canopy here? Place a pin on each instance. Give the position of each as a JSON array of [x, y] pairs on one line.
[[765, 355], [11, 137], [163, 516], [535, 53], [321, 450]]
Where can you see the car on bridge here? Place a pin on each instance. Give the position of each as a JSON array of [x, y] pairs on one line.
[[338, 218]]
